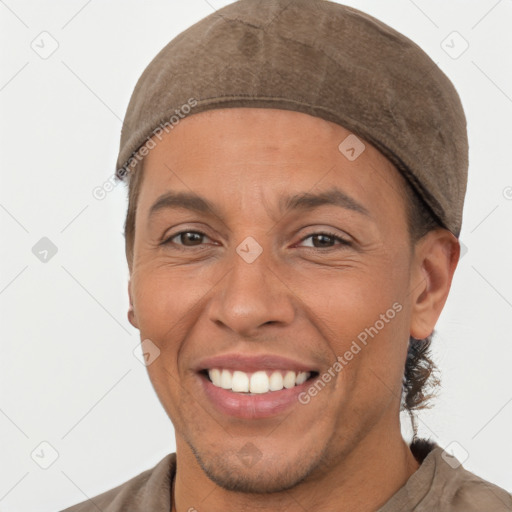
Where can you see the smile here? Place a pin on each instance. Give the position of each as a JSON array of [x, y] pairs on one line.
[[261, 381], [273, 392]]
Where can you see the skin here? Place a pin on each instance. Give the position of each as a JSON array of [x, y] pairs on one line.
[[305, 298]]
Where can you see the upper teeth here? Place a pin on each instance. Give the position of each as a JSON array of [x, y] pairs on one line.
[[257, 382]]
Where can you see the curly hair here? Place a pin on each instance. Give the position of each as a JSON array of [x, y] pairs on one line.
[[420, 373]]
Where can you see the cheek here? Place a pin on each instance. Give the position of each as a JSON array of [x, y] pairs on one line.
[[159, 304], [363, 315], [163, 301], [352, 301], [168, 302]]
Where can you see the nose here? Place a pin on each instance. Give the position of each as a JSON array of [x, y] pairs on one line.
[[250, 296]]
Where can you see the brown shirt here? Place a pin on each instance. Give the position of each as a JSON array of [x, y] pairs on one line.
[[440, 484]]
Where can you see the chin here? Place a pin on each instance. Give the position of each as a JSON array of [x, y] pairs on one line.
[[264, 475]]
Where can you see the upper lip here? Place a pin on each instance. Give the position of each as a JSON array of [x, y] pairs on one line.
[[248, 363]]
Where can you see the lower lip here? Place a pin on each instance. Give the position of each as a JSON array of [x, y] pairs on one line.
[[263, 405]]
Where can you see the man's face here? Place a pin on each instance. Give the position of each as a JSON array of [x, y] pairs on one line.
[[306, 297]]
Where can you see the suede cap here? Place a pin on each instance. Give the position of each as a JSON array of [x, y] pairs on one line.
[[319, 58]]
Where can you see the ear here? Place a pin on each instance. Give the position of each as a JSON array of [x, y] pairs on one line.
[[436, 256], [132, 317]]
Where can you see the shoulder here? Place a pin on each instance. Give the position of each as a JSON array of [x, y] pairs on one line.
[[460, 490], [150, 490], [472, 493]]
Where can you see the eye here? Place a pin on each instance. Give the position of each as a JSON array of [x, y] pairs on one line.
[[186, 238], [324, 240], [195, 238]]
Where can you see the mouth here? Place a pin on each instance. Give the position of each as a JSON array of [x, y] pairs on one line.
[[254, 395], [257, 382]]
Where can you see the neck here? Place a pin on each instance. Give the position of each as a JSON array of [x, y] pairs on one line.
[[364, 480]]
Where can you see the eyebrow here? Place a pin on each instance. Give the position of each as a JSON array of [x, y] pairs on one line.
[[333, 196], [304, 201]]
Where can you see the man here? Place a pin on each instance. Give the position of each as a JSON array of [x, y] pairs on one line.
[[297, 172]]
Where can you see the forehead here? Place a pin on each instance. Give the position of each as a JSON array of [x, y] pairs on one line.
[[237, 155]]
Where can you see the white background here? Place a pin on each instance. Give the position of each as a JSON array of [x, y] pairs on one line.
[[68, 375]]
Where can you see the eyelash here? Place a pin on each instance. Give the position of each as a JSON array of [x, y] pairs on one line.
[[342, 241]]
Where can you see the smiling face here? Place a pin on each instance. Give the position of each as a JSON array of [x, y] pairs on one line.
[[335, 260]]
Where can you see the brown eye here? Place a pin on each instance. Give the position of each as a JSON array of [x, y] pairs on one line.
[[325, 240], [186, 238]]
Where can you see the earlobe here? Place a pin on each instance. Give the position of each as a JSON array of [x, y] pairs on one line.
[[435, 261], [132, 318]]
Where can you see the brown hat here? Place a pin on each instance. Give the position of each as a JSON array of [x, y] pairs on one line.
[[320, 58]]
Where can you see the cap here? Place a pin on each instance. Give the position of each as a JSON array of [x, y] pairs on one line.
[[323, 59]]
